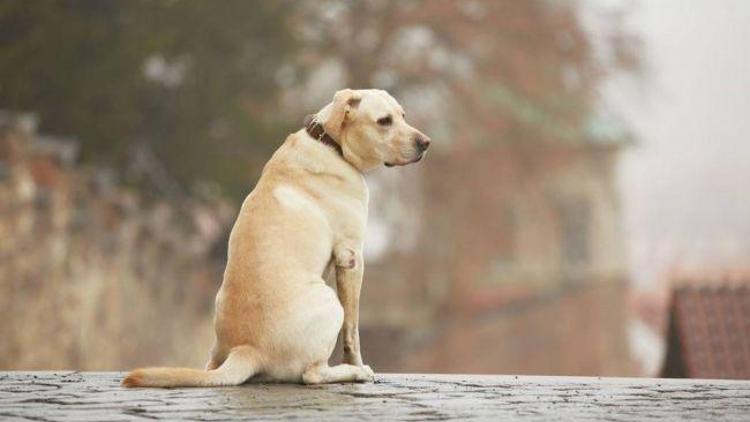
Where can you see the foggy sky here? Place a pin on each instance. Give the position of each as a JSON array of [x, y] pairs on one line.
[[686, 185]]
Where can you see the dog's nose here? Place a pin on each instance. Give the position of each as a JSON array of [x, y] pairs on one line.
[[422, 142]]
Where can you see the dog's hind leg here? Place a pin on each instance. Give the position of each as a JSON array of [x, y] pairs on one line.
[[321, 373], [212, 363], [215, 358]]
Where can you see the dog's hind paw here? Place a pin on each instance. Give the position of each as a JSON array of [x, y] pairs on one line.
[[367, 374]]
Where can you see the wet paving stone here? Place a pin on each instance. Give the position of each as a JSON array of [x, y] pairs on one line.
[[74, 396]]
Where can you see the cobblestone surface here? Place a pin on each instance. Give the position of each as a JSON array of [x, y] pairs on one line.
[[74, 396]]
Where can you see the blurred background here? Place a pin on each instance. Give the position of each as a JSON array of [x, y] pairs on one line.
[[584, 210]]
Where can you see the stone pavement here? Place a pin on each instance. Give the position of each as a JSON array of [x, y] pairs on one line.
[[76, 396]]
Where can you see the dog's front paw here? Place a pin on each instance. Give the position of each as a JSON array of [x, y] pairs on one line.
[[367, 374]]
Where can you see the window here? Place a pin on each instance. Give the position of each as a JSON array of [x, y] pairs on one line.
[[575, 221]]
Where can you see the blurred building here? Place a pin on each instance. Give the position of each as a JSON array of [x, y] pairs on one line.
[[499, 253], [518, 265], [83, 262]]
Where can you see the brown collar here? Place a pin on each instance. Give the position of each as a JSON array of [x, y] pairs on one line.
[[317, 131]]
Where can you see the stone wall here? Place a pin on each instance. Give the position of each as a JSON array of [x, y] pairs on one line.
[[92, 276]]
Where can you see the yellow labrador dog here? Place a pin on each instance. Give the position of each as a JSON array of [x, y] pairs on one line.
[[276, 319]]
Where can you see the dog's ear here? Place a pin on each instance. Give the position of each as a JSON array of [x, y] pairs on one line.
[[344, 104]]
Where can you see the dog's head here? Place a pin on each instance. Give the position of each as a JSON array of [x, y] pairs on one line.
[[371, 128]]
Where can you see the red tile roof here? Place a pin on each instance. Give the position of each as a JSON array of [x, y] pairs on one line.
[[709, 332]]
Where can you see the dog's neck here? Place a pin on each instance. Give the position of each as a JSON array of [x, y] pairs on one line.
[[317, 132]]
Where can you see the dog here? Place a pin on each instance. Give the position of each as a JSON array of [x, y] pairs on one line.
[[276, 319]]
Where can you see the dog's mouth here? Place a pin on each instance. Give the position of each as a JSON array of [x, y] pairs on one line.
[[419, 158]]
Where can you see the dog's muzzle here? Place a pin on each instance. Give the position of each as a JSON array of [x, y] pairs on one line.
[[421, 143]]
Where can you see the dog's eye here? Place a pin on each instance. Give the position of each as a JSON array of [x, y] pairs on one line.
[[385, 121]]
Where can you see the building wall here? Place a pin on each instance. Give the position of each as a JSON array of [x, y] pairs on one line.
[[573, 330], [91, 277], [513, 245]]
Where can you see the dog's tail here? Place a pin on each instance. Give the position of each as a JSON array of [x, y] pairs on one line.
[[240, 365]]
